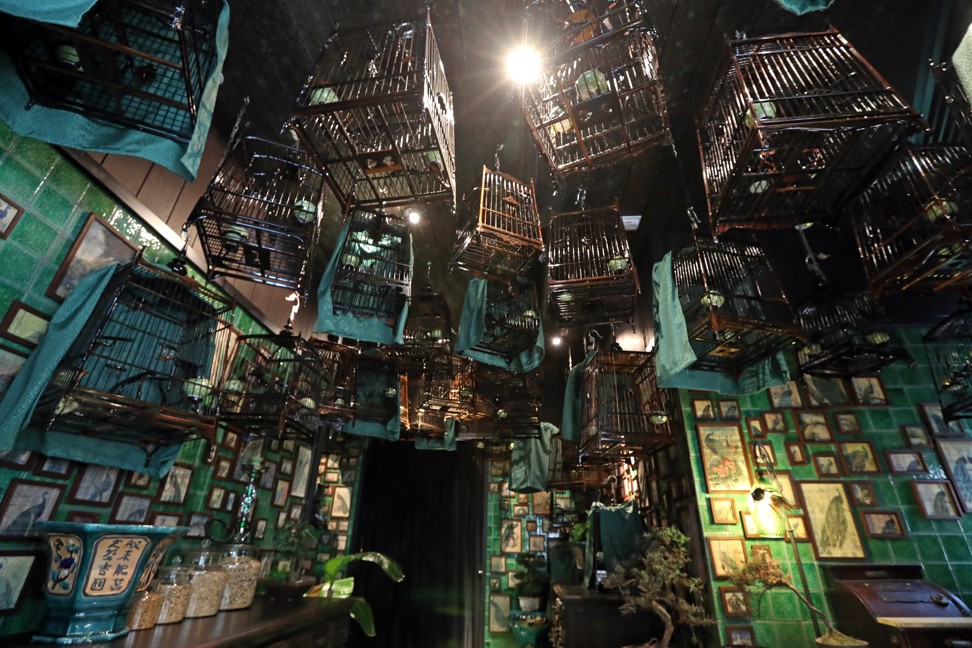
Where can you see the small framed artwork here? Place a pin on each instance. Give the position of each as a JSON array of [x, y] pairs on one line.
[[723, 510], [749, 526], [54, 467], [740, 636], [224, 466], [521, 510], [497, 564], [98, 245], [762, 455], [862, 494], [956, 457], [231, 440], [883, 524], [774, 422], [868, 390], [289, 445], [531, 526], [96, 485], [515, 578], [341, 502], [761, 552], [541, 503], [728, 555], [10, 213], [796, 453], [936, 499], [138, 480], [813, 427], [494, 487], [295, 511], [252, 449], [167, 519], [287, 467], [197, 525], [499, 468], [828, 509], [282, 519], [11, 362], [936, 421], [25, 503], [17, 568], [735, 602], [302, 472], [916, 436], [330, 476], [280, 492], [905, 462], [797, 524], [756, 428], [729, 410], [723, 458], [847, 423], [495, 583], [785, 396], [260, 530], [499, 612], [230, 501], [269, 474], [511, 536], [826, 392], [537, 543], [341, 543], [24, 325], [131, 509], [858, 458], [175, 486], [826, 464], [343, 525], [784, 482], [703, 410], [16, 459], [215, 499]]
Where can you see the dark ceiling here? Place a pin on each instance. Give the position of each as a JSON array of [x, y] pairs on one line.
[[275, 42]]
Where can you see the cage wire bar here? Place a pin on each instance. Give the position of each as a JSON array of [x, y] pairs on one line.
[[600, 98], [512, 320], [377, 114], [418, 419], [447, 385], [140, 64], [735, 310], [513, 402], [591, 274], [912, 225], [146, 367], [276, 384], [794, 127], [374, 274], [501, 237], [339, 364], [956, 100], [949, 349], [427, 334], [259, 218]]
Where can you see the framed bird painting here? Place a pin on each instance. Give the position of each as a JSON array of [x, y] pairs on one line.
[[25, 504], [511, 536], [833, 528], [723, 458]]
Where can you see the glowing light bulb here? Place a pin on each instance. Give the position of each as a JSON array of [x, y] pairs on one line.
[[523, 65], [414, 217]]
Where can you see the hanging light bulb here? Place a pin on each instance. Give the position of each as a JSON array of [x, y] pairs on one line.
[[523, 65]]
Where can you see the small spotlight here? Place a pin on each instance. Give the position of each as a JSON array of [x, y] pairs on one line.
[[413, 217], [556, 340], [523, 65], [758, 494]]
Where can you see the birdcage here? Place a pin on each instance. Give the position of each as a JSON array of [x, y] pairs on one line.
[[512, 320], [339, 364], [373, 276], [378, 395], [847, 335], [956, 100], [447, 385], [949, 348], [794, 127], [276, 384], [146, 367], [377, 114], [599, 98], [592, 277], [501, 237], [623, 411], [735, 310], [140, 64], [419, 419], [512, 401], [912, 225], [427, 333], [258, 220]]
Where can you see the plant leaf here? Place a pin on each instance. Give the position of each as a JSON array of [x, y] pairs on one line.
[[333, 566], [361, 612]]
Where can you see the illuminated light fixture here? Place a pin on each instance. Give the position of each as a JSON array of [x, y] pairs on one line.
[[413, 217], [523, 65], [556, 340]]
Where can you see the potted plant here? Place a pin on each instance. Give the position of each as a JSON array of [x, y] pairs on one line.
[[342, 588], [532, 586], [656, 580], [295, 544], [766, 573]]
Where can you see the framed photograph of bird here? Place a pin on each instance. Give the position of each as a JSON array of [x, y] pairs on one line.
[[96, 485], [25, 504], [131, 509]]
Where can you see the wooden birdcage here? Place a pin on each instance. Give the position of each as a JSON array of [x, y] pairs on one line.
[[956, 100], [140, 64], [379, 396], [447, 385], [512, 321], [419, 419], [501, 237], [599, 98], [427, 334], [374, 272], [339, 365], [735, 310], [512, 402], [147, 366], [623, 411], [949, 348], [592, 277], [912, 225], [377, 114], [258, 220], [847, 336], [794, 127]]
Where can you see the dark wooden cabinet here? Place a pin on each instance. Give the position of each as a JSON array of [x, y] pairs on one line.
[[583, 618]]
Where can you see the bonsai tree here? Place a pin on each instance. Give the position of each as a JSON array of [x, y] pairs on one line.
[[766, 573], [535, 578], [656, 580], [342, 588]]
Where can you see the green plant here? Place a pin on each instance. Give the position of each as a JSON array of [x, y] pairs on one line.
[[341, 588], [535, 578], [295, 541], [656, 580]]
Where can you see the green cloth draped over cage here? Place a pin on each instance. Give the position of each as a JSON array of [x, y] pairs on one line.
[[962, 61], [570, 425], [74, 130], [473, 331], [800, 7], [675, 356], [530, 461], [57, 12], [374, 400], [613, 530], [447, 442]]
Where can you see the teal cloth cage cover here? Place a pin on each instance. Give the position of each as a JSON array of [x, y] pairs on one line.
[[675, 355], [962, 61], [530, 462], [57, 12], [570, 424], [370, 400], [800, 7], [613, 530], [447, 442], [472, 330], [66, 128], [347, 324]]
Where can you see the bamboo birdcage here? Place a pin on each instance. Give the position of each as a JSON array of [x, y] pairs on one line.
[[591, 274], [339, 364], [512, 320], [735, 310], [258, 220], [502, 236], [377, 114], [912, 225], [599, 98], [140, 64], [146, 367], [949, 349], [794, 127]]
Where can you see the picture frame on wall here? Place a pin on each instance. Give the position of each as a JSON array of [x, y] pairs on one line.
[[541, 503], [137, 480], [936, 421], [797, 524], [499, 612], [723, 457], [735, 602], [175, 485], [858, 458], [280, 492], [826, 464], [703, 409], [260, 530], [24, 504], [497, 564], [813, 427], [11, 362], [167, 519], [341, 502], [54, 467], [727, 555], [956, 458], [740, 636], [796, 453], [749, 526], [762, 455], [882, 524], [757, 430], [17, 568], [862, 493], [131, 509], [537, 543], [96, 485], [905, 462], [302, 469], [214, 500], [24, 324], [729, 410], [787, 488], [847, 423], [511, 535], [10, 213], [833, 528], [723, 510], [223, 468], [774, 422], [936, 499], [197, 525], [98, 245], [917, 436], [868, 390], [826, 392], [785, 396]]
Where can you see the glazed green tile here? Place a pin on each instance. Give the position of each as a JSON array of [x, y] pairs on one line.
[[879, 418], [17, 181], [956, 547], [929, 548], [69, 180], [18, 264], [6, 134], [879, 550], [34, 234], [97, 201], [904, 551], [36, 154], [940, 573], [53, 207], [8, 294]]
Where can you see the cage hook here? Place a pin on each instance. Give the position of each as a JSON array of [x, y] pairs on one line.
[[496, 159], [295, 298]]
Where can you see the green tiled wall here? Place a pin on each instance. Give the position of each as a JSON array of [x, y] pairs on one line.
[[942, 546]]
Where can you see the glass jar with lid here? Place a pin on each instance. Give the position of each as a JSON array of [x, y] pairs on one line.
[[145, 611], [172, 584], [244, 570], [207, 581]]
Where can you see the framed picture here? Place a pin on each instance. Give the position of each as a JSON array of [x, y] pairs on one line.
[[96, 485], [16, 459], [499, 612], [137, 480], [735, 602], [936, 499], [729, 410], [497, 564], [703, 410], [131, 509], [797, 524], [268, 475], [511, 536], [813, 427], [883, 524], [868, 390], [341, 502], [531, 526], [499, 468], [862, 493], [916, 436], [495, 583], [223, 468], [723, 458], [250, 451], [302, 470], [541, 503], [289, 445], [521, 510], [826, 392], [98, 245], [16, 569], [25, 503], [10, 213], [847, 423], [231, 440], [757, 430], [785, 396], [833, 530], [905, 462], [167, 519], [11, 362], [260, 530], [197, 525], [826, 464], [761, 552], [24, 325], [331, 476], [728, 555], [740, 636], [295, 511], [287, 467], [956, 457], [762, 455], [175, 486], [280, 492], [54, 467], [494, 487], [215, 499], [858, 458], [749, 526], [230, 501], [537, 543], [796, 453], [936, 421], [784, 482]]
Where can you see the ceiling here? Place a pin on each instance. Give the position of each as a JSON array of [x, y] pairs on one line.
[[275, 42]]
